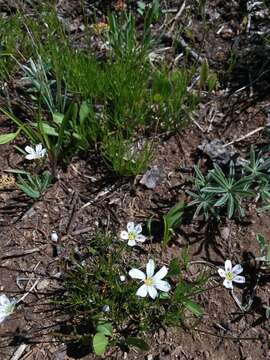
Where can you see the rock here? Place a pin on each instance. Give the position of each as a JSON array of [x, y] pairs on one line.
[[43, 284], [225, 233], [217, 152], [152, 177]]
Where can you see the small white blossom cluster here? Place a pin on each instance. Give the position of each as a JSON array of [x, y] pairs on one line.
[[151, 282], [34, 153]]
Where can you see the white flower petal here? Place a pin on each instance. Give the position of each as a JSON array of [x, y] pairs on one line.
[[43, 152], [137, 274], [228, 284], [150, 268], [140, 238], [131, 242], [152, 291], [130, 226], [142, 291], [228, 265], [124, 235], [138, 228], [237, 269], [161, 273], [29, 149], [163, 285], [4, 300], [221, 273], [30, 156], [239, 279], [38, 148]]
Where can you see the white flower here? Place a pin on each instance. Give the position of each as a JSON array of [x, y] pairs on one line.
[[122, 278], [35, 153], [6, 307], [133, 234], [152, 282], [231, 274], [54, 236]]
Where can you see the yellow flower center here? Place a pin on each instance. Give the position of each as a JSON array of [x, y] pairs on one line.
[[132, 235], [229, 276], [149, 282]]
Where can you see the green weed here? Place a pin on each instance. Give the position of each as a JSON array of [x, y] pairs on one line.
[[218, 192], [172, 220], [124, 156], [93, 291]]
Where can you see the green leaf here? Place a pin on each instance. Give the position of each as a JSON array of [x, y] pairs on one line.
[[22, 126], [84, 110], [174, 267], [193, 307], [138, 343], [105, 329], [182, 289], [172, 219], [100, 343], [185, 257], [164, 296], [261, 240], [6, 138], [212, 81], [58, 118], [46, 128], [34, 194], [204, 72]]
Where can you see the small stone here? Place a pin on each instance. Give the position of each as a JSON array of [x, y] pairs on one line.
[[225, 233], [219, 153], [43, 284], [54, 236], [152, 177]]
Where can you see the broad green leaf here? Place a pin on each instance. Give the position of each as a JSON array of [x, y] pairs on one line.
[[46, 128], [100, 343], [105, 329], [193, 307], [138, 343], [6, 138], [84, 110], [58, 118]]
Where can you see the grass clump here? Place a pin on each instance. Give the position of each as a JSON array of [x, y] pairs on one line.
[[81, 101]]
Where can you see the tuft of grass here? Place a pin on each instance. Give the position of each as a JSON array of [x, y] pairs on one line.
[[80, 100], [124, 156]]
